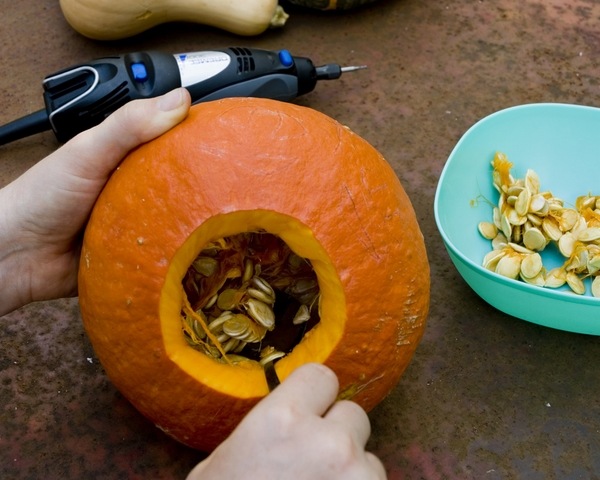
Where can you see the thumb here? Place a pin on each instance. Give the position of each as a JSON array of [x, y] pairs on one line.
[[94, 154]]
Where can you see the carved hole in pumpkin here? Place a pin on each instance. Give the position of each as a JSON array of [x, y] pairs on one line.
[[249, 296]]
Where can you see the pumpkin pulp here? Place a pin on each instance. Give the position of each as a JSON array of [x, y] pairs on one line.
[[231, 288], [241, 375]]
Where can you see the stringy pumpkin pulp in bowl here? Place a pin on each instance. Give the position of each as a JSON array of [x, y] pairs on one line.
[[254, 231]]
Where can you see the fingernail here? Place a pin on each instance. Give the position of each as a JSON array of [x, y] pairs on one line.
[[171, 100]]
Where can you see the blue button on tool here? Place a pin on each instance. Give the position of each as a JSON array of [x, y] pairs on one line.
[[140, 74], [286, 58]]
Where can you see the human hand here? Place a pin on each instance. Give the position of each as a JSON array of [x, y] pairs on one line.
[[299, 432], [43, 212]]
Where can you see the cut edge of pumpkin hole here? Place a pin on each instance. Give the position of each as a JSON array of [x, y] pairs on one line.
[[246, 290]]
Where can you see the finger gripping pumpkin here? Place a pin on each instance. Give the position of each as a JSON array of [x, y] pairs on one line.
[[255, 231]]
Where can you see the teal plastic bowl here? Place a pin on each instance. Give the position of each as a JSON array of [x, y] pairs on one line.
[[562, 144]]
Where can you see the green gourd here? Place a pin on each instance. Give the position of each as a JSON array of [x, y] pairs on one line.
[[331, 4]]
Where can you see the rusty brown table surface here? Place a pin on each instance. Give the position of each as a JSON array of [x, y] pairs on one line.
[[487, 396]]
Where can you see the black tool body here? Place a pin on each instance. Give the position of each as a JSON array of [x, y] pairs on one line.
[[82, 96]]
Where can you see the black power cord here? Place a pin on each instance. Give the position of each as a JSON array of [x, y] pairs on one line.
[[31, 124]]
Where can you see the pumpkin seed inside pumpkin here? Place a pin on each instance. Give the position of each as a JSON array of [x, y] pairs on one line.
[[256, 300]]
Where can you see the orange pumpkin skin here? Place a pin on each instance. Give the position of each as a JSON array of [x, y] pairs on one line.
[[234, 165]]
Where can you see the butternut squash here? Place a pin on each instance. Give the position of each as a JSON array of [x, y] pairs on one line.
[[117, 19]]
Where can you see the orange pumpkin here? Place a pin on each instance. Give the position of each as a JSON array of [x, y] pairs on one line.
[[299, 181]]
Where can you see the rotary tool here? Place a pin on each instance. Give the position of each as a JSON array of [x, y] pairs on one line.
[[82, 96]]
